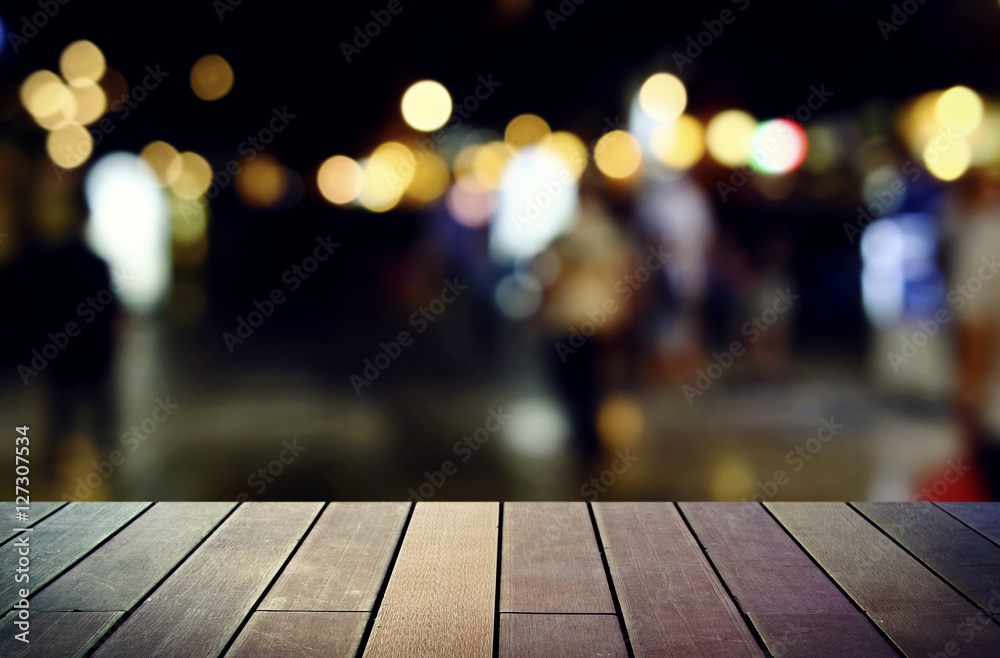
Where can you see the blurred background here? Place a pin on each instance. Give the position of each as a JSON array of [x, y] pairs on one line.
[[513, 249]]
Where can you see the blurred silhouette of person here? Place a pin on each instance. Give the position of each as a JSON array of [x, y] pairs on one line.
[[976, 261]]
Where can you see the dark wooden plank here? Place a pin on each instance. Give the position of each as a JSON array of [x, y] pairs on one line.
[[300, 634], [673, 603], [550, 560], [441, 594], [37, 513], [547, 635], [918, 611], [55, 634], [118, 574], [59, 541], [960, 555], [198, 608], [342, 563], [797, 610], [984, 517]]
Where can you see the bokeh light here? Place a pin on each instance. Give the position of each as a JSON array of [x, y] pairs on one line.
[[779, 146], [949, 162], [387, 174], [525, 130], [488, 162], [82, 63], [619, 422], [90, 101], [161, 156], [191, 175], [211, 78], [959, 109], [729, 136], [429, 181], [69, 146], [679, 144], [618, 154], [426, 105], [470, 202], [340, 179], [663, 97], [263, 182], [570, 149]]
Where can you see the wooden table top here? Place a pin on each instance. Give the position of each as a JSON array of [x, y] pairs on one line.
[[513, 579]]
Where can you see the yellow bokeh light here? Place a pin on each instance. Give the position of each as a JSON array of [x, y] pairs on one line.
[[947, 161], [729, 136], [679, 144], [488, 164], [918, 123], [617, 154], [82, 63], [340, 179], [33, 83], [959, 109], [524, 130], [211, 78], [387, 174], [426, 105], [430, 180], [663, 97], [52, 105], [188, 221], [69, 146], [571, 150], [161, 158], [191, 175], [91, 103], [464, 159], [619, 422], [263, 182], [731, 477]]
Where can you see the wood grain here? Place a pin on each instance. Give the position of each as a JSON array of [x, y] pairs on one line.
[[983, 517], [199, 607], [342, 563], [548, 635], [59, 541], [797, 610], [300, 634], [36, 513], [960, 555], [550, 560], [917, 611], [673, 603], [55, 633], [441, 594], [118, 574]]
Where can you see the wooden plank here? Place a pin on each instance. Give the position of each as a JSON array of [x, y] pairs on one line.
[[37, 513], [550, 561], [547, 635], [198, 608], [59, 541], [960, 555], [919, 612], [343, 561], [441, 594], [55, 633], [983, 517], [797, 610], [118, 574], [673, 603], [300, 634]]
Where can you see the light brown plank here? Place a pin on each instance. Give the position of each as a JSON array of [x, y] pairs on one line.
[[917, 611], [118, 574], [441, 594], [342, 563], [960, 555], [37, 513], [672, 601], [797, 610], [547, 635], [300, 634], [199, 607], [55, 634], [551, 561], [59, 541]]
